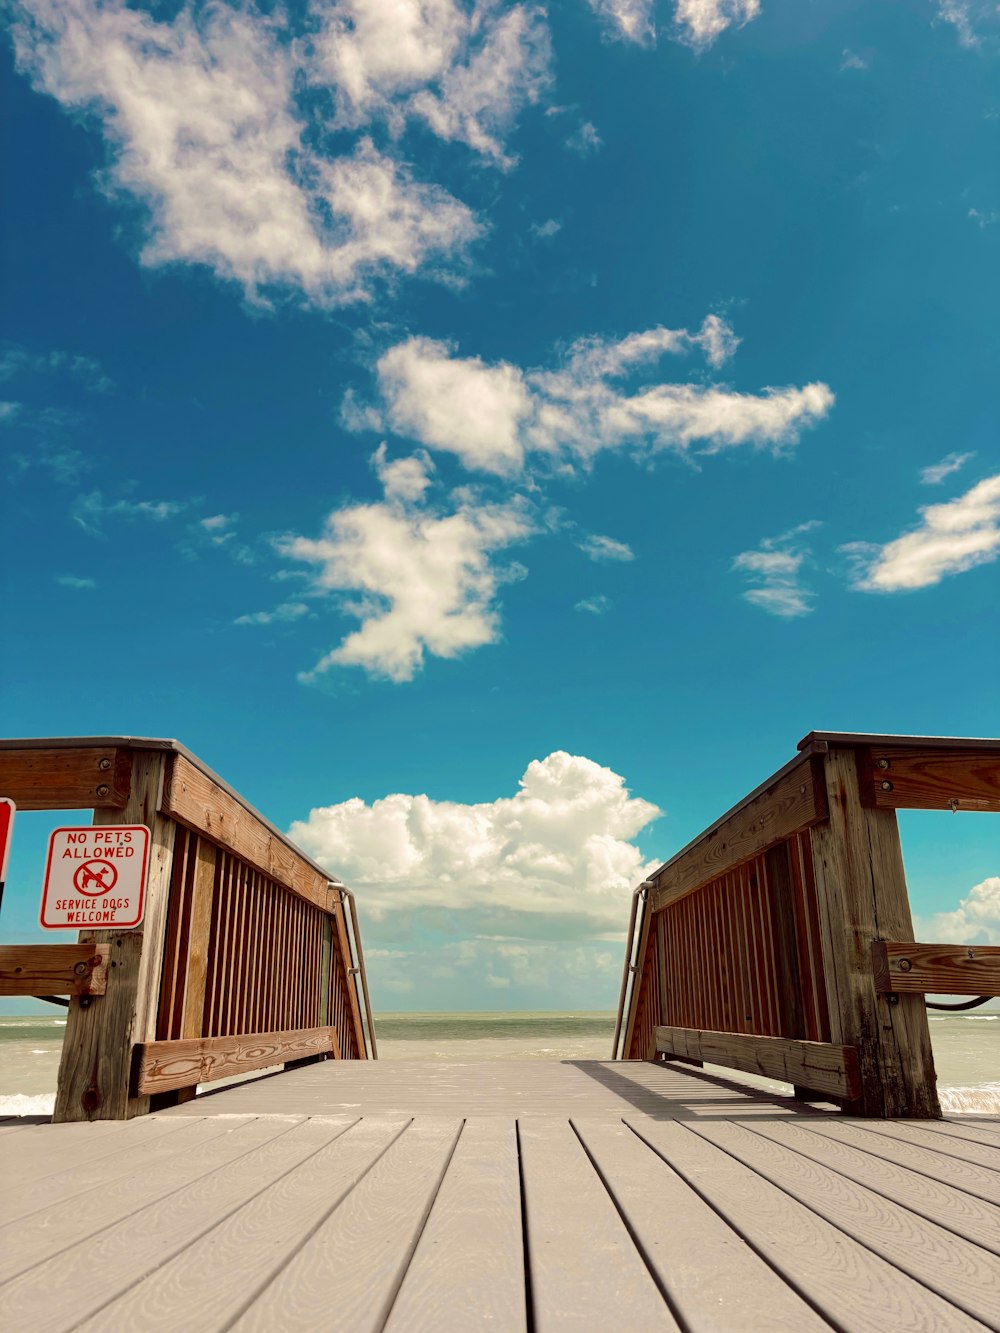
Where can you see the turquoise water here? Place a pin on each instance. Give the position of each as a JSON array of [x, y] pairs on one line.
[[966, 1050]]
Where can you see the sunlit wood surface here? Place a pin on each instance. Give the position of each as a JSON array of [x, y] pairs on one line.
[[527, 1195]]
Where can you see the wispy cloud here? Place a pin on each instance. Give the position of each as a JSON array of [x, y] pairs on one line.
[[585, 140], [851, 60], [697, 23], [774, 571], [936, 473], [973, 20], [422, 575], [952, 537], [17, 361], [598, 605], [214, 123], [492, 416], [283, 614], [76, 582], [598, 548], [93, 509]]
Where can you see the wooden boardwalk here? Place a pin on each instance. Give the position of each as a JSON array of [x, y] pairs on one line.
[[524, 1196]]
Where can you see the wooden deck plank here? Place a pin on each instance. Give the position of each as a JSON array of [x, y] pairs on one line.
[[714, 1279], [138, 1156], [925, 1134], [852, 1287], [584, 1270], [952, 1208], [974, 1133], [84, 1276], [966, 1176], [347, 1273], [956, 1269], [468, 1268], [52, 1148], [210, 1283]]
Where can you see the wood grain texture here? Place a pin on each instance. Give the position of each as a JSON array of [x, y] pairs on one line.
[[97, 1045], [354, 1262], [794, 801], [211, 1282], [163, 1065], [817, 1065], [959, 1271], [54, 969], [468, 1268], [67, 1146], [66, 779], [951, 1208], [713, 1279], [584, 1271], [72, 1255], [191, 797], [199, 939], [981, 1182], [850, 1286], [932, 778], [987, 1134], [940, 969], [861, 896], [949, 1144]]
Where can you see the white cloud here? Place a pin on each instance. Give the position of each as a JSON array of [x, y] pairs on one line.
[[287, 611], [597, 548], [850, 60], [976, 920], [585, 140], [210, 132], [556, 853], [631, 20], [461, 406], [90, 510], [936, 473], [546, 230], [76, 582], [973, 20], [598, 605], [953, 537], [424, 577], [985, 219], [774, 569], [492, 416], [700, 22]]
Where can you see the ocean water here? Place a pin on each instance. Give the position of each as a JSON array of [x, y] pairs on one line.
[[966, 1050]]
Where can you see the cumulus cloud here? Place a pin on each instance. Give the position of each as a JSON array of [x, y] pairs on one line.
[[936, 473], [953, 537], [214, 126], [492, 416], [598, 548], [976, 919], [556, 853], [774, 571], [423, 577]]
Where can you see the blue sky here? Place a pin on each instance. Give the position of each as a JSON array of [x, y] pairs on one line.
[[492, 435]]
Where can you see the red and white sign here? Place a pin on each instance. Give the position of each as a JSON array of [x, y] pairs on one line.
[[95, 876], [7, 811]]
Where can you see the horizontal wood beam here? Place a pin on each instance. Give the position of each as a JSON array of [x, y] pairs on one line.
[[66, 779], [54, 969], [817, 1065], [941, 969], [909, 778], [192, 798], [161, 1066], [795, 800]]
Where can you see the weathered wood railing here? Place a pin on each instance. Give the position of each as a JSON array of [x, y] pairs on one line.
[[248, 956], [780, 941]]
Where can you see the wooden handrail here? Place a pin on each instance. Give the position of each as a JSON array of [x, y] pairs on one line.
[[246, 942], [788, 920]]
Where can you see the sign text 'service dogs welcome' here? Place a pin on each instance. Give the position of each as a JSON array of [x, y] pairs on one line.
[[95, 876]]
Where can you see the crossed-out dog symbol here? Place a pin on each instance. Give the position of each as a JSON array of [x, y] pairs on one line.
[[95, 877]]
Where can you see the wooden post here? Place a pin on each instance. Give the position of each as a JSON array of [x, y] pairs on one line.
[[861, 893], [781, 905], [97, 1047]]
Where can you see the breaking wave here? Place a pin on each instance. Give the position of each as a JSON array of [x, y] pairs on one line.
[[984, 1098]]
